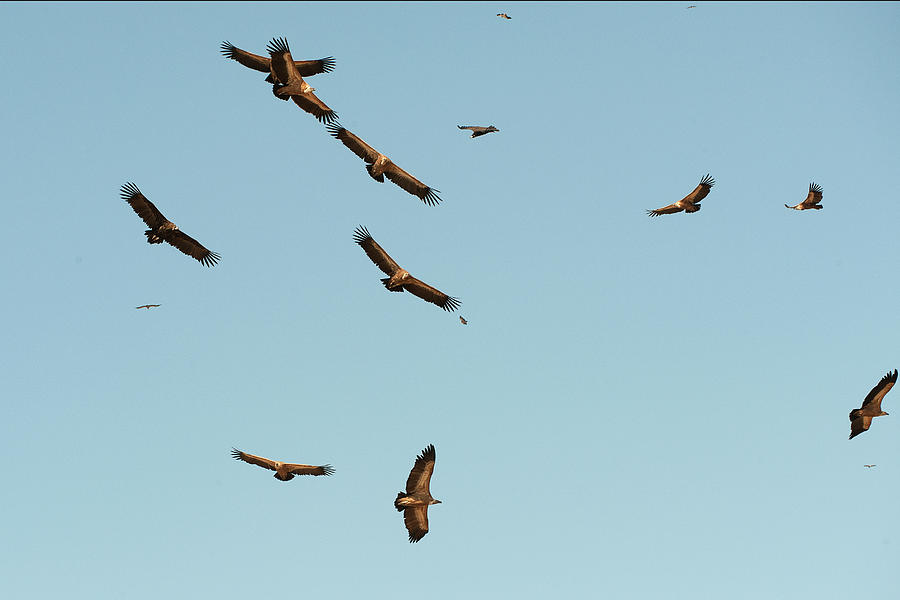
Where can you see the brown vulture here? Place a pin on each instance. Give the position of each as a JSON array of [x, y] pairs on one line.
[[690, 203], [283, 471], [306, 68], [148, 306], [463, 321], [162, 230], [478, 130], [399, 279], [861, 418], [504, 16], [288, 83], [868, 466], [812, 199], [380, 166], [415, 502]]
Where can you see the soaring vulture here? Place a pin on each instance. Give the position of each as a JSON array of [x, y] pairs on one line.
[[504, 16], [306, 68], [868, 466], [478, 130], [415, 502], [399, 279], [861, 418], [380, 166], [812, 199], [283, 471], [288, 83], [690, 203], [162, 230], [148, 306], [463, 321]]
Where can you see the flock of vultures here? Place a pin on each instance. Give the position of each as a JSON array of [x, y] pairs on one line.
[[286, 76]]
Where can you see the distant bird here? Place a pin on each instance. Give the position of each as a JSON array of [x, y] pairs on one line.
[[477, 130], [504, 16], [868, 466], [306, 68], [283, 471], [147, 306], [380, 166], [690, 203], [400, 279], [415, 502], [812, 199], [463, 321], [861, 418], [692, 6], [288, 83], [162, 230]]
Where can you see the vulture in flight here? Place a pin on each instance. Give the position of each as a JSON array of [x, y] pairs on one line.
[[504, 16], [477, 130], [283, 471], [162, 230], [415, 502], [868, 466], [380, 166], [861, 418], [306, 68], [399, 279], [148, 306], [463, 321], [288, 83], [690, 203], [812, 199]]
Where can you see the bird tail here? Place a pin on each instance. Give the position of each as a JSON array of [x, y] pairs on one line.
[[818, 207], [386, 280], [397, 504], [379, 178], [152, 238], [788, 206]]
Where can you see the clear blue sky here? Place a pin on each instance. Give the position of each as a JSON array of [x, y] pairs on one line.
[[638, 408]]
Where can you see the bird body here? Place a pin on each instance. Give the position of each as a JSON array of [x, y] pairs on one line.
[[812, 199], [861, 418], [463, 321], [283, 471], [478, 130], [690, 203], [415, 501], [504, 16], [288, 83]]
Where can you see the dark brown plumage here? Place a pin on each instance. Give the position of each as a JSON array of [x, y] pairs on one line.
[[504, 16], [148, 306], [463, 321], [288, 83], [305, 68], [861, 418], [380, 166], [812, 199], [283, 471], [690, 203], [399, 279], [415, 502], [162, 230], [478, 130]]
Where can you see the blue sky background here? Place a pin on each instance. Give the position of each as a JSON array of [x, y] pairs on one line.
[[639, 408]]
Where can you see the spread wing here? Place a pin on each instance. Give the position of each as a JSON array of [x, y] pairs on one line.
[[305, 68], [282, 64], [858, 425], [419, 479], [416, 519], [665, 210], [878, 392], [352, 141], [192, 247], [375, 252], [309, 469], [311, 104], [259, 461], [472, 127], [148, 213], [430, 294], [411, 184], [815, 195], [701, 191]]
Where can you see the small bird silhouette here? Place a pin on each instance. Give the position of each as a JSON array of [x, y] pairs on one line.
[[463, 321], [504, 16], [868, 466], [147, 306]]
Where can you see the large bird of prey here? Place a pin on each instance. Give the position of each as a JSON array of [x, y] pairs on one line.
[[288, 83], [162, 230], [399, 279], [380, 166], [283, 471], [861, 418], [690, 203], [812, 199], [306, 68], [415, 502], [148, 306], [504, 16], [477, 130]]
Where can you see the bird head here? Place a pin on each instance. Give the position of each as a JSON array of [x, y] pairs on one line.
[[433, 501]]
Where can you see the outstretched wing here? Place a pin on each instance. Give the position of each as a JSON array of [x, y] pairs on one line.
[[148, 213], [430, 294], [472, 127], [311, 104], [352, 141], [814, 196], [412, 185], [701, 191], [192, 247], [416, 520], [665, 210], [282, 64], [419, 479], [305, 68], [375, 252], [309, 469], [259, 461], [875, 397]]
